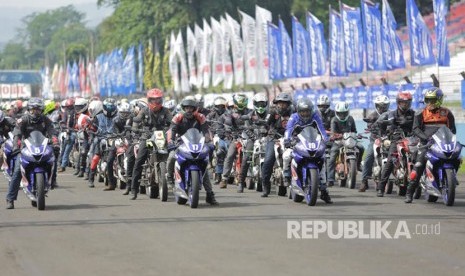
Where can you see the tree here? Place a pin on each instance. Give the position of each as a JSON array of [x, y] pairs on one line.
[[13, 56]]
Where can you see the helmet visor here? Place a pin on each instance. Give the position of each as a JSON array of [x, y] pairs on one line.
[[305, 114], [155, 100], [342, 115]]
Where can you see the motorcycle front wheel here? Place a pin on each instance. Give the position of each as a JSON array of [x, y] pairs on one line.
[[163, 185], [449, 185], [312, 185], [352, 175], [195, 187], [40, 191]]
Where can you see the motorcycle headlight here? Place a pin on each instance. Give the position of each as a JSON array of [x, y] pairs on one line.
[[350, 143], [386, 143], [160, 144]]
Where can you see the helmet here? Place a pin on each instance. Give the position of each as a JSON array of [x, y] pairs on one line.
[[124, 110], [35, 108], [69, 103], [109, 107], [155, 99], [323, 103], [342, 111], [283, 98], [404, 101], [304, 109], [189, 102], [95, 107], [433, 98], [382, 103], [230, 104], [260, 103], [170, 105], [200, 100], [50, 106], [83, 121], [220, 105], [80, 105], [240, 101]]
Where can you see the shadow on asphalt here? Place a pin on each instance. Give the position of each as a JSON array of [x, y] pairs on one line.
[[79, 207]]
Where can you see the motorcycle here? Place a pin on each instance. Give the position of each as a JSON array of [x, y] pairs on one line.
[[381, 152], [120, 164], [277, 176], [9, 158], [307, 158], [443, 160], [157, 184], [403, 164], [346, 161], [37, 160], [256, 162], [191, 164]]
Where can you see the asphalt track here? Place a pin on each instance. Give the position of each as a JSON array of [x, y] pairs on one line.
[[87, 231]]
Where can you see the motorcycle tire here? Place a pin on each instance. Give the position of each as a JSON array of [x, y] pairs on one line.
[[417, 193], [402, 190], [389, 187], [195, 188], [432, 198], [121, 184], [250, 183], [449, 187], [34, 203], [282, 190], [40, 191], [312, 185], [100, 177], [163, 185], [296, 197], [352, 175]]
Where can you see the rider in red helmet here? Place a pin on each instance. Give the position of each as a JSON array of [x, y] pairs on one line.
[[155, 117]]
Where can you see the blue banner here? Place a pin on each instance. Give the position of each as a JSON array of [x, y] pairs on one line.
[[129, 72], [392, 45], [140, 57], [350, 96], [75, 77], [300, 39], [363, 97], [353, 38], [391, 91], [421, 45], [287, 52], [440, 13], [274, 52], [336, 95], [317, 45], [337, 65], [372, 35]]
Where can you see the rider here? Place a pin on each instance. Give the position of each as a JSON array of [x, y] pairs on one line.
[[104, 124], [305, 116], [82, 120], [33, 120], [51, 110], [171, 106], [382, 103], [425, 124], [232, 121], [389, 122], [341, 123], [201, 104], [182, 122], [327, 114], [255, 120], [155, 117], [223, 144], [277, 120], [68, 121]]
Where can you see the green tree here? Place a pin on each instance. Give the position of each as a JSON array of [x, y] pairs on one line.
[[13, 56]]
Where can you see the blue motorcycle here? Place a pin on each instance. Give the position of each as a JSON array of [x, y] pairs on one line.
[[9, 157], [191, 163], [37, 160], [307, 160], [440, 176]]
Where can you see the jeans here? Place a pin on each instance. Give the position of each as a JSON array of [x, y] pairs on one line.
[[110, 160], [228, 162], [15, 181], [368, 162], [67, 149], [221, 152], [268, 164]]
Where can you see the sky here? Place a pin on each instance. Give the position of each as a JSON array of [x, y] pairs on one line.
[[12, 11]]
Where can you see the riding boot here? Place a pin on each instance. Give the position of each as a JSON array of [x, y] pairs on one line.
[[210, 199], [410, 191], [128, 187], [91, 178], [134, 195], [325, 197], [266, 189], [364, 186]]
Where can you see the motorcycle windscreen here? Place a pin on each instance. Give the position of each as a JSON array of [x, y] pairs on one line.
[[310, 134], [444, 136], [193, 136], [36, 138]]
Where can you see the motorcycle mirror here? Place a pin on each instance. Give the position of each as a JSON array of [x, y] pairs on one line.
[[366, 120]]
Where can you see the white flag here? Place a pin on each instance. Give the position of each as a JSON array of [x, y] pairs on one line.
[[182, 58], [237, 50], [217, 44], [173, 64], [206, 53], [191, 46], [198, 53], [250, 55], [227, 64], [262, 16]]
